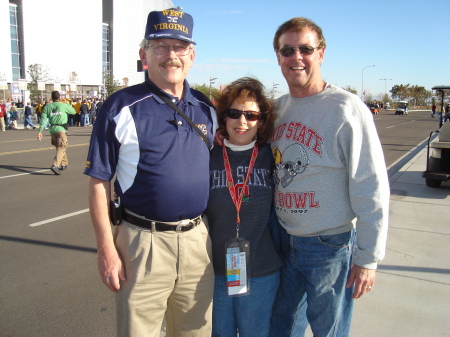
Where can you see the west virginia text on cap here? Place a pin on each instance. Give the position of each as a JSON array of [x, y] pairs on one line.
[[169, 24]]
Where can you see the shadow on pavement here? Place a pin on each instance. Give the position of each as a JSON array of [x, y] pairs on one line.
[[26, 169], [48, 244], [415, 269]]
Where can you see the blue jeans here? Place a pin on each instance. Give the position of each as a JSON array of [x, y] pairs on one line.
[[27, 122], [250, 315], [84, 120], [313, 280]]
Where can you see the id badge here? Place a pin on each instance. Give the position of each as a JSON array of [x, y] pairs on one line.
[[237, 266]]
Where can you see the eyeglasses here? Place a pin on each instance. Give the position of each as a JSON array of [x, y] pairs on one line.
[[249, 115], [287, 51], [163, 49]]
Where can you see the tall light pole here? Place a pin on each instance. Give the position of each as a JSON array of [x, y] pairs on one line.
[[362, 88], [274, 86], [211, 82], [385, 79]]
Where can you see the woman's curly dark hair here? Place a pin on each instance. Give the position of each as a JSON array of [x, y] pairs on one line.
[[241, 90]]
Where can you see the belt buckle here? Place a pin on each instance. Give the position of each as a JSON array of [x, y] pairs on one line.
[[181, 224]]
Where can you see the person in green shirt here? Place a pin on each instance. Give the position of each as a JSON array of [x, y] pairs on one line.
[[57, 114]]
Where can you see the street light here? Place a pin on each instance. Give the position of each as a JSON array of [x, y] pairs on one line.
[[274, 86], [211, 82], [362, 89], [385, 79]]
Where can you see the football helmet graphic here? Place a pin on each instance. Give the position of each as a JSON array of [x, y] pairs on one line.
[[288, 164]]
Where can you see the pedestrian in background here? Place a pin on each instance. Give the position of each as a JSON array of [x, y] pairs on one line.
[[84, 113], [97, 109], [28, 115], [71, 117], [2, 115], [7, 114], [77, 107], [39, 108], [92, 111], [13, 116], [56, 113]]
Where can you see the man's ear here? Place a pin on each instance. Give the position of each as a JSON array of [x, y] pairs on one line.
[[143, 56]]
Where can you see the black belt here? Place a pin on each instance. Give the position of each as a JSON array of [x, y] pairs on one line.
[[182, 226]]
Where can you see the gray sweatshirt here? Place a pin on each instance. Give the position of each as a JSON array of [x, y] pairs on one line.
[[331, 176]]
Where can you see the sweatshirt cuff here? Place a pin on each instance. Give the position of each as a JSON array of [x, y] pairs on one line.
[[364, 261]]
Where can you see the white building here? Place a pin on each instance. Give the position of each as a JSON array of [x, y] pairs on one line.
[[66, 37]]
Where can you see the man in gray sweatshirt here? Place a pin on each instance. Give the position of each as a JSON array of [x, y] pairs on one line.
[[331, 194]]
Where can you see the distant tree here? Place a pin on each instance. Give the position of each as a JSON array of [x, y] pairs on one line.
[[111, 85], [420, 95], [385, 98], [400, 92], [37, 72], [204, 88], [350, 89]]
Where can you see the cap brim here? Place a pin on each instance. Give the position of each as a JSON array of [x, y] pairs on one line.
[[169, 36]]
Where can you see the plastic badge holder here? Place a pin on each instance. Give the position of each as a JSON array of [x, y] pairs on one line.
[[237, 266]]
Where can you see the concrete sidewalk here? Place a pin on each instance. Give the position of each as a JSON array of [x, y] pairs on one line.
[[411, 296]]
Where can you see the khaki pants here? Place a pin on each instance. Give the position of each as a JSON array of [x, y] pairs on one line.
[[168, 273], [59, 140]]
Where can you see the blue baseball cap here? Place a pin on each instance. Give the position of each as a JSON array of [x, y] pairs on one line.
[[170, 23]]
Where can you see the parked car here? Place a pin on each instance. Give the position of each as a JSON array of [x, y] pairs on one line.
[[402, 108]]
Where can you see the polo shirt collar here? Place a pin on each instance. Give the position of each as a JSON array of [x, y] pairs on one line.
[[187, 97]]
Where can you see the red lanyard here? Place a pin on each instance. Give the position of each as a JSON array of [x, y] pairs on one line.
[[237, 199]]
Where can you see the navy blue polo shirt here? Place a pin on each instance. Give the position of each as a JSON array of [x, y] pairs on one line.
[[160, 161]]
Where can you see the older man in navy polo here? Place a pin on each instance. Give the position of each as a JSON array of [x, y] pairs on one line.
[[158, 259]]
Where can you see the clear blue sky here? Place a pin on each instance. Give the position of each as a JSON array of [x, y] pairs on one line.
[[406, 40]]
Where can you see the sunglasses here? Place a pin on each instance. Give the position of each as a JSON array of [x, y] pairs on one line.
[[249, 115], [287, 51]]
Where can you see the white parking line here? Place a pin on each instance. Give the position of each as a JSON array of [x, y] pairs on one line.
[[22, 174], [59, 218]]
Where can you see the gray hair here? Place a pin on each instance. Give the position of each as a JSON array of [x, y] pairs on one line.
[[143, 44]]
